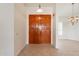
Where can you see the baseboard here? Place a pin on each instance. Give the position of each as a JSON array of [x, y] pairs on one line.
[[20, 50]]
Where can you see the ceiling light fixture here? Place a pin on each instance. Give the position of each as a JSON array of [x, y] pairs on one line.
[[39, 9], [73, 19]]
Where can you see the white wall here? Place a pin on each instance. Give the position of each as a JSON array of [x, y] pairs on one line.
[[6, 29], [20, 28], [68, 31], [31, 9]]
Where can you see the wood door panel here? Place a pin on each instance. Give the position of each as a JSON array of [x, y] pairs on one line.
[[40, 29]]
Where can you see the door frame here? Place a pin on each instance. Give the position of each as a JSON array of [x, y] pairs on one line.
[[53, 40], [49, 19]]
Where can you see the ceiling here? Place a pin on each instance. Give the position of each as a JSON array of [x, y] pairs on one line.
[[65, 9], [37, 4], [62, 9]]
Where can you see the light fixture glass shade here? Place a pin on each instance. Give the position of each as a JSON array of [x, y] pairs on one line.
[[39, 10], [73, 19]]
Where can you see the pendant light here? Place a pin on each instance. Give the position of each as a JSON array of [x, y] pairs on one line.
[[39, 9], [73, 19]]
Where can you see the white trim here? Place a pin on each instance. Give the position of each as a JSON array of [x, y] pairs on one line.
[[52, 29]]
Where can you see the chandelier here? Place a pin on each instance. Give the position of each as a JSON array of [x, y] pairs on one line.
[[73, 19]]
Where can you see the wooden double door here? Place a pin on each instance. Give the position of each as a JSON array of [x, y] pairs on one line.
[[39, 29]]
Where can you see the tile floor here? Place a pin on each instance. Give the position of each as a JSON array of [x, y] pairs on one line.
[[64, 47]]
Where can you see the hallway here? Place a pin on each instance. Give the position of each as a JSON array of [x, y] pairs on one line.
[[37, 50], [68, 35], [64, 48]]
